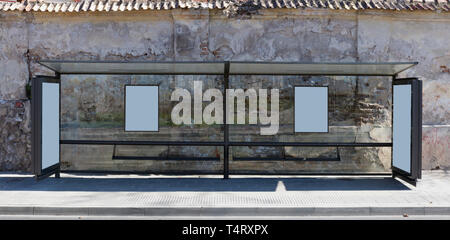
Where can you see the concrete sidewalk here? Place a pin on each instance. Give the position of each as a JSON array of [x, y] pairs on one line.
[[194, 196]]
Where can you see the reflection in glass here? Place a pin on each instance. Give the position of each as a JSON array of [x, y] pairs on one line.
[[93, 108], [359, 110]]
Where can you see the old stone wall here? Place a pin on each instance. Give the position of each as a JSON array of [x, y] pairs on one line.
[[15, 111], [269, 35]]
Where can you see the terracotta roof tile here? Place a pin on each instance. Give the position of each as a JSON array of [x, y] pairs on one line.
[[134, 5]]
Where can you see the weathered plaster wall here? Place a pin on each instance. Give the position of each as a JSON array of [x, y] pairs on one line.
[[274, 35], [424, 38], [15, 125]]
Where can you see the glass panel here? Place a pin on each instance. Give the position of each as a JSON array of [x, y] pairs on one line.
[[239, 68], [141, 108], [93, 107], [401, 155], [99, 158], [311, 109], [359, 110], [311, 160], [74, 67], [285, 153], [50, 124], [236, 68], [168, 152]]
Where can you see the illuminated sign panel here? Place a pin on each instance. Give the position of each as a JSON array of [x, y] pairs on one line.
[[50, 124], [311, 109], [141, 108], [401, 155]]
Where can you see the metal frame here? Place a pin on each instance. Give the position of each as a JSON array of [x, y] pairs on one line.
[[226, 143], [324, 63], [416, 131], [115, 157], [167, 158], [219, 173], [247, 159], [130, 73], [44, 63], [226, 138]]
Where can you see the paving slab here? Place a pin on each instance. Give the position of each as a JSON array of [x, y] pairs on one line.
[[203, 196]]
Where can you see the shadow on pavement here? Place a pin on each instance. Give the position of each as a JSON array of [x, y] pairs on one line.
[[74, 183]]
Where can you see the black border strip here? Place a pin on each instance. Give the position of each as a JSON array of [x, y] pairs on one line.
[[296, 159], [187, 143], [144, 158], [220, 173]]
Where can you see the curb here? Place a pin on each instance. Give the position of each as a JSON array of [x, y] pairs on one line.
[[220, 211]]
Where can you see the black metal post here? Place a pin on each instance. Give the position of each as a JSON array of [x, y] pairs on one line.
[[226, 129]]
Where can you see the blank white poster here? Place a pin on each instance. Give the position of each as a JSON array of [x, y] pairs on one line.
[[311, 109], [141, 108], [401, 155], [50, 124]]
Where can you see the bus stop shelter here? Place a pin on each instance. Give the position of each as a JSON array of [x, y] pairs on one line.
[[406, 108]]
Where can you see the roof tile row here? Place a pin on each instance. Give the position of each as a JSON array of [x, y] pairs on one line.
[[130, 5]]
